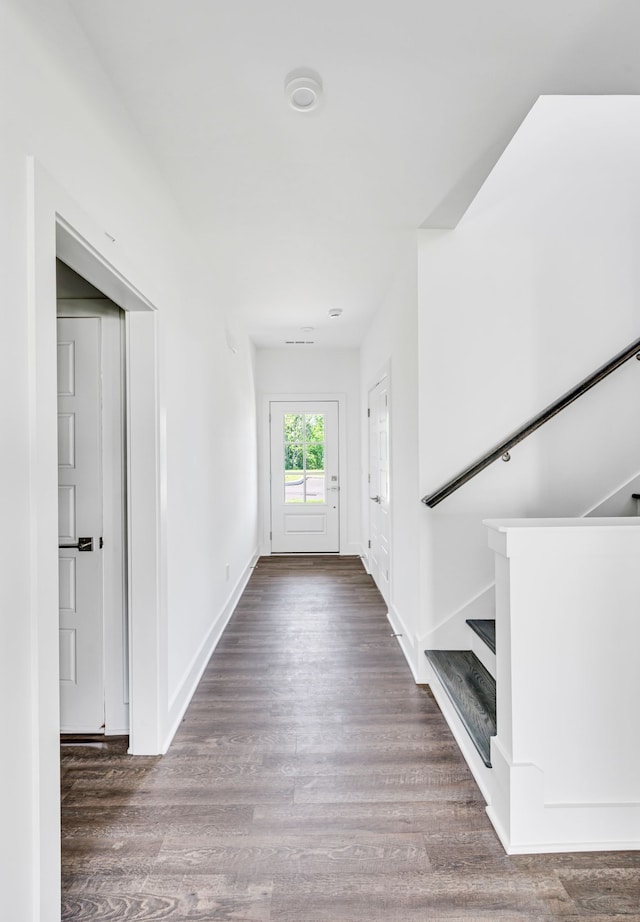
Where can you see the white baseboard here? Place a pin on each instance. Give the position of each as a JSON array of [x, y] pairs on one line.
[[526, 824], [182, 697], [350, 550], [404, 638]]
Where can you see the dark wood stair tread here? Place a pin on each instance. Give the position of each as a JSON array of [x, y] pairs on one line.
[[472, 691], [486, 629]]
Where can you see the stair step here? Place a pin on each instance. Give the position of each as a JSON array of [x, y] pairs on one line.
[[472, 691], [486, 629]]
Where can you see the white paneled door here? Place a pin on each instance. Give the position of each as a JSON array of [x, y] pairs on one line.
[[80, 526], [305, 485], [379, 524]]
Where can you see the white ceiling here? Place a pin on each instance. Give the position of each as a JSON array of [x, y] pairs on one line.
[[303, 212]]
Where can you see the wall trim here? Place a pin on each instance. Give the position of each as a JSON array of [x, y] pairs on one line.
[[181, 698], [627, 488], [406, 641], [519, 808]]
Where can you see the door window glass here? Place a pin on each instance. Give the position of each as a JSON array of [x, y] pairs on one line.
[[304, 451]]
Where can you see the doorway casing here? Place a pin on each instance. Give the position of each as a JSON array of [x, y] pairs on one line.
[[59, 227]]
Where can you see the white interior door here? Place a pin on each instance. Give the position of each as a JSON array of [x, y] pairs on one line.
[[379, 524], [305, 485], [111, 571], [80, 526]]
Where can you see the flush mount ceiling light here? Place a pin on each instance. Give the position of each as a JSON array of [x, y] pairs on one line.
[[303, 89], [335, 312]]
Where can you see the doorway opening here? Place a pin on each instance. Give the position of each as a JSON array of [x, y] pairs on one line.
[[59, 227], [93, 630]]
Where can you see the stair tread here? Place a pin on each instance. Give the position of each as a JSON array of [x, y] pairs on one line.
[[486, 629], [472, 691]]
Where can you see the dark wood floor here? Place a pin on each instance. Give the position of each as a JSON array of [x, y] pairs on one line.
[[311, 781]]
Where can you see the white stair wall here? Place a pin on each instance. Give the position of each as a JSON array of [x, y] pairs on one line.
[[566, 758]]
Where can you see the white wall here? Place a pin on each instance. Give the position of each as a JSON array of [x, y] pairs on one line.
[[536, 288], [391, 345], [308, 370], [56, 106]]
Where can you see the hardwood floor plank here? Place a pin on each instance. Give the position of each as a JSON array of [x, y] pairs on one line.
[[408, 817], [289, 854], [116, 821], [310, 781], [381, 788], [613, 890], [406, 897]]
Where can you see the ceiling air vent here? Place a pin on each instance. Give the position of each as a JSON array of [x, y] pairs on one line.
[[300, 342]]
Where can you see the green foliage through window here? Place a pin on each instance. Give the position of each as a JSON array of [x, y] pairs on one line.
[[304, 457]]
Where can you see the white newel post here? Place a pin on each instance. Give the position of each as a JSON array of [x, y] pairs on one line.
[[566, 758]]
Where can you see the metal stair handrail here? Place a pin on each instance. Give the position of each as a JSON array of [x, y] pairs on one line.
[[503, 448]]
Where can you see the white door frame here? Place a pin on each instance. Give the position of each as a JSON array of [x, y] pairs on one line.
[[264, 462], [58, 226]]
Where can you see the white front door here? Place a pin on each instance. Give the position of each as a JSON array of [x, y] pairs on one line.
[[379, 526], [305, 486], [80, 526]]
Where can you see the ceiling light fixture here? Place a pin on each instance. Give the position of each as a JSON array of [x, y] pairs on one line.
[[335, 312], [303, 90]]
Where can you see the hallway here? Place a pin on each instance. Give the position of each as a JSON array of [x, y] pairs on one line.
[[311, 781]]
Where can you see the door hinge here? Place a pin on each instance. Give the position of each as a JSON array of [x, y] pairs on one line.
[[368, 411], [369, 477], [369, 543], [270, 536], [101, 542]]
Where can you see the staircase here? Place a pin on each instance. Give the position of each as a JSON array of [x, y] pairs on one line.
[[468, 679], [547, 787]]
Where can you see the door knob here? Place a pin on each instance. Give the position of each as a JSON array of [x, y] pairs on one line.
[[376, 499]]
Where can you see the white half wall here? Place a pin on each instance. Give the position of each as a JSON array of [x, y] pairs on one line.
[[320, 373], [566, 757]]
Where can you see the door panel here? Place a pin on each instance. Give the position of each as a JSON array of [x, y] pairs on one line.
[[66, 514], [80, 515], [305, 486], [379, 499], [66, 440]]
